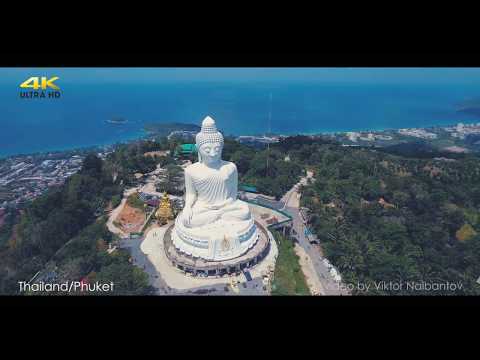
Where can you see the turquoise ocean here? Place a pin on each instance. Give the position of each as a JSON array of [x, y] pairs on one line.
[[78, 117]]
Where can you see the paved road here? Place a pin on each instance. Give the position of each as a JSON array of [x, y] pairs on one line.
[[253, 287], [140, 260], [292, 201], [249, 288]]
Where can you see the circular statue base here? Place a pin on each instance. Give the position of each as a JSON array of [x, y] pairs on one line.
[[203, 268]]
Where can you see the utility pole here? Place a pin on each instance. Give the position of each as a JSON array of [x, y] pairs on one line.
[[269, 130]]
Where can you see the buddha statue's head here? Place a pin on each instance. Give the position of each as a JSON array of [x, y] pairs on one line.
[[209, 142]]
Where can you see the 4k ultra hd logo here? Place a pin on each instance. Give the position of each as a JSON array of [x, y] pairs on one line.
[[40, 87]]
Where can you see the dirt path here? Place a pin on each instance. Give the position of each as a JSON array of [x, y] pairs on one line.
[[115, 212]]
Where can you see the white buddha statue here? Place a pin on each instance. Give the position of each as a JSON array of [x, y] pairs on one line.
[[214, 224]]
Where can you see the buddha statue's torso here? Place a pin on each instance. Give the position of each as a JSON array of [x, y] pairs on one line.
[[215, 187]]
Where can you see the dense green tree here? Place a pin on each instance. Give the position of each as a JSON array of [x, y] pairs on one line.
[[411, 235]]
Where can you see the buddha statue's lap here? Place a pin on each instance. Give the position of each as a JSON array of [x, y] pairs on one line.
[[232, 212]]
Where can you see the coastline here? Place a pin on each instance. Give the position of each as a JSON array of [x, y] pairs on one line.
[[79, 148], [381, 129], [143, 134]]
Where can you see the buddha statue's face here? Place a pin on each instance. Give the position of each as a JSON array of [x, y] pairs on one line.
[[210, 152]]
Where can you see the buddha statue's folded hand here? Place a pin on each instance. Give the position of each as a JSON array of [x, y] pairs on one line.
[[187, 215], [219, 206]]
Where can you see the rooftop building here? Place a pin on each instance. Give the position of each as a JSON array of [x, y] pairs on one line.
[[186, 149]]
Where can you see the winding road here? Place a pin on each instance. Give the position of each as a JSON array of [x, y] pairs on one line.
[[320, 280]]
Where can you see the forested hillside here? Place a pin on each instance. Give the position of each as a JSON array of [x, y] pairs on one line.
[[379, 216], [382, 217], [265, 169], [66, 226]]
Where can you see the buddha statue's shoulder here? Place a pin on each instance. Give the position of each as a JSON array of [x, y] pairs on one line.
[[229, 165], [193, 168]]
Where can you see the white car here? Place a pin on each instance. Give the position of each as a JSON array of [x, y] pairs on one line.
[[327, 263]]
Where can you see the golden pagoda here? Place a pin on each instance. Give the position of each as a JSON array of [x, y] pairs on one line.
[[164, 211]]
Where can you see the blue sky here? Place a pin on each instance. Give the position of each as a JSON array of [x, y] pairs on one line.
[[326, 75]]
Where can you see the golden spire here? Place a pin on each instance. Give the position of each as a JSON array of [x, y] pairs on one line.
[[164, 209]]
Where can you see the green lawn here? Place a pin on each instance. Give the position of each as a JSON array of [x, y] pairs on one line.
[[288, 277], [134, 201]]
